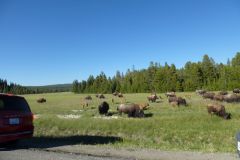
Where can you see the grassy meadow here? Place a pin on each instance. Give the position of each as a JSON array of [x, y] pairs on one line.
[[165, 127]]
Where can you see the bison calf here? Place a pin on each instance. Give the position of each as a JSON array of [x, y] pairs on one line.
[[152, 98]]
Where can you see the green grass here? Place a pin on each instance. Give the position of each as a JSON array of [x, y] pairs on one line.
[[169, 128]]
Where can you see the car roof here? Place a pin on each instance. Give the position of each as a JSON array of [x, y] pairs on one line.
[[9, 95]]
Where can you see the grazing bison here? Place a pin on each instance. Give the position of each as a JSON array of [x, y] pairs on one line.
[[182, 101], [88, 98], [143, 106], [218, 110], [208, 95], [236, 90], [170, 94], [133, 110], [223, 93], [41, 100], [103, 108], [232, 98], [177, 101], [218, 97], [152, 98], [200, 92]]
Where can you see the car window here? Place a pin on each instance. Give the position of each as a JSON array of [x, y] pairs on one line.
[[12, 103]]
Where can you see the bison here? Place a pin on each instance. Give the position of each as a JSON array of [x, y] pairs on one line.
[[41, 100], [208, 95], [177, 101], [133, 110], [88, 98], [223, 93], [232, 98], [218, 97], [103, 108], [236, 90], [218, 110], [152, 98]]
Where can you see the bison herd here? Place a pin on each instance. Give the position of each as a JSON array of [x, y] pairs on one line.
[[222, 96], [137, 109]]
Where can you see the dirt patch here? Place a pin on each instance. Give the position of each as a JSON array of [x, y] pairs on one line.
[[107, 117], [69, 116]]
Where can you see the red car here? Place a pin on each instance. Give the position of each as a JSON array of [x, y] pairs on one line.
[[16, 118]]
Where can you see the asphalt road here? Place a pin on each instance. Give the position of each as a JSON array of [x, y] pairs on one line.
[[28, 154]]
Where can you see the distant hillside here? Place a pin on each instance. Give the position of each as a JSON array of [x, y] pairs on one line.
[[51, 88]]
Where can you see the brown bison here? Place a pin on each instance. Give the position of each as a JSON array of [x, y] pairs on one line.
[[41, 100], [208, 95], [103, 108], [133, 110], [232, 98], [88, 98], [170, 94], [152, 98], [223, 93], [218, 110], [218, 97], [236, 90], [177, 101]]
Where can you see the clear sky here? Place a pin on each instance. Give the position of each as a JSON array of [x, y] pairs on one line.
[[57, 41]]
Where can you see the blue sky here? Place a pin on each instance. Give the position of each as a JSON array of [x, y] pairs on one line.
[[57, 41]]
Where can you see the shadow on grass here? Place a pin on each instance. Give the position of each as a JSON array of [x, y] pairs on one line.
[[148, 115], [50, 142]]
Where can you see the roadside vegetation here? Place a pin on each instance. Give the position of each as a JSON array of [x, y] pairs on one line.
[[165, 127]]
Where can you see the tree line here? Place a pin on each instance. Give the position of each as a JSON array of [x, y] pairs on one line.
[[13, 88], [205, 74]]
